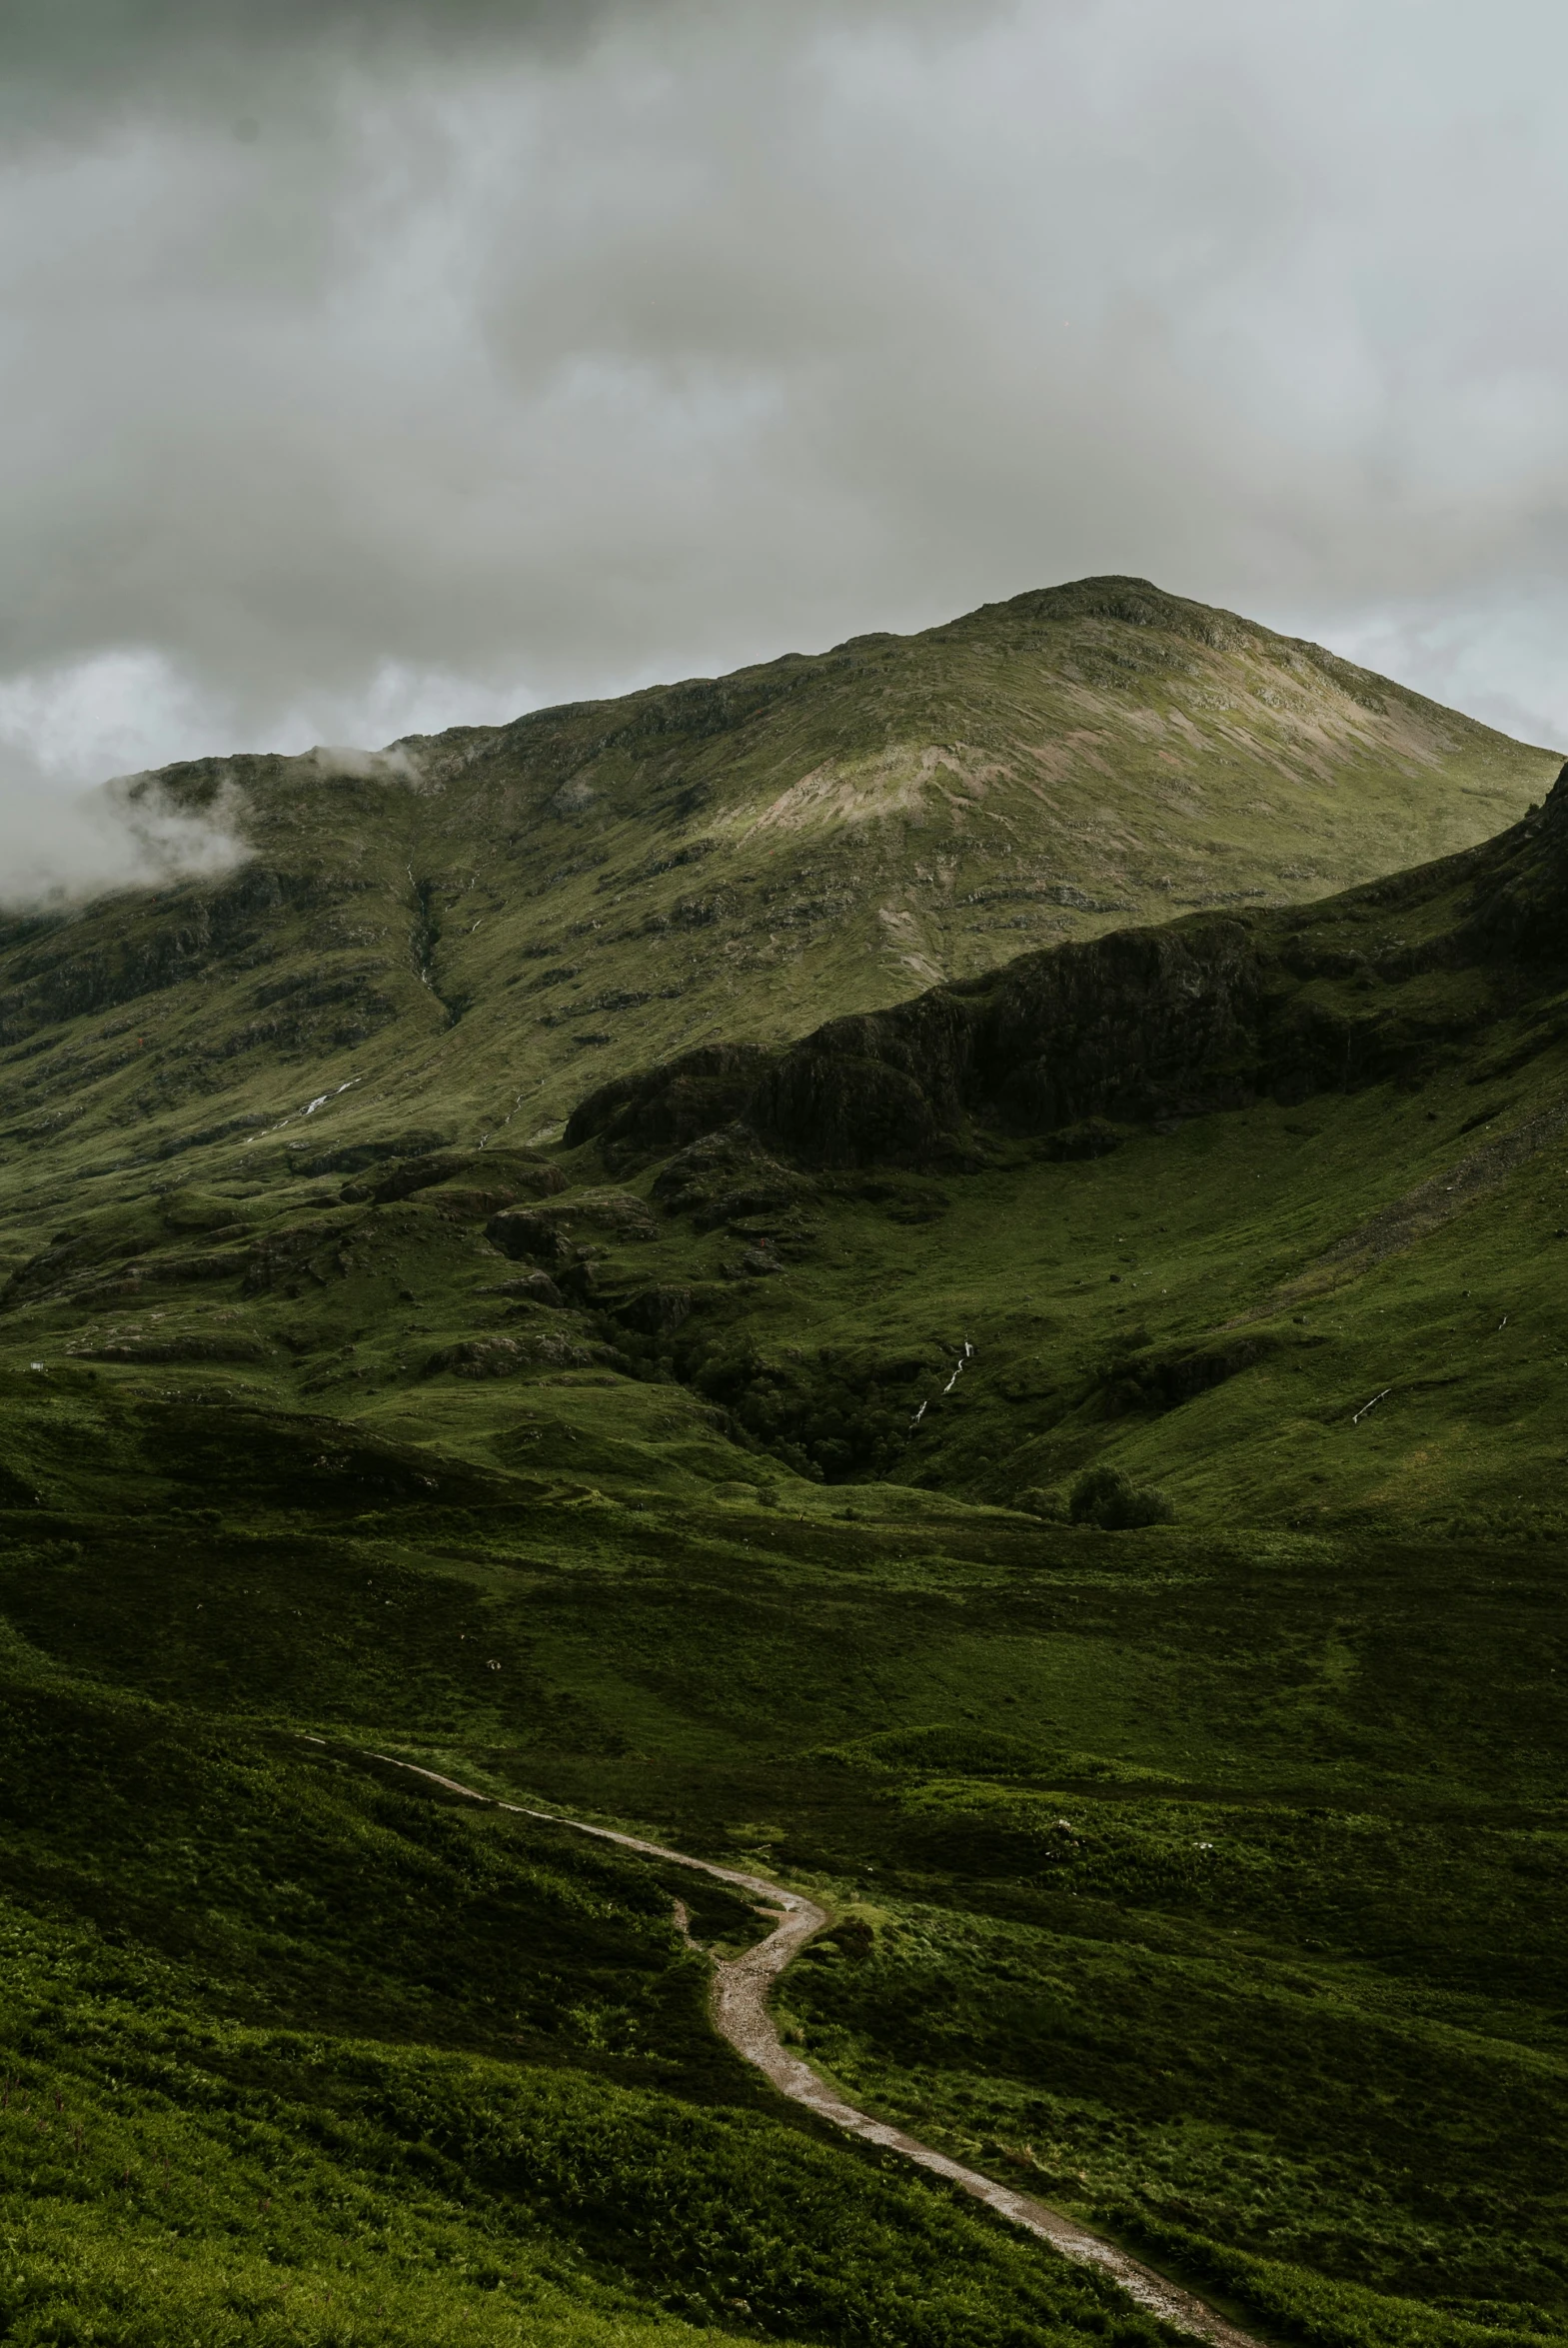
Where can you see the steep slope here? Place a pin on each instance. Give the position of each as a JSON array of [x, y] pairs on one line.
[[1320, 1152], [1350, 1108], [1402, 979], [466, 931]]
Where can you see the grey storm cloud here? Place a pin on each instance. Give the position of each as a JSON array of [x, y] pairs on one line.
[[83, 57], [371, 367]]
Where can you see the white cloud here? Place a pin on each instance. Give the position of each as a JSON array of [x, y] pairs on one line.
[[61, 845], [108, 714]]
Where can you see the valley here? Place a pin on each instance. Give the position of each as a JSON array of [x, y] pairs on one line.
[[683, 1425]]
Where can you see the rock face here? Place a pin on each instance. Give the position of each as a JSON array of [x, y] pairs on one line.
[[1138, 1026], [665, 1107]]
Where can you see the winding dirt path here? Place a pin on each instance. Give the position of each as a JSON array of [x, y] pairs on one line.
[[741, 1986]]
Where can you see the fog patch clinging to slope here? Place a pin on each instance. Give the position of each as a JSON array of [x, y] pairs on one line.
[[64, 845]]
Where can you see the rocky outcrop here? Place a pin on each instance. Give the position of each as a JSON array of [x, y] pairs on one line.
[[1143, 1024], [647, 1115], [95, 960], [503, 1175], [553, 1234], [176, 1349], [354, 1157], [656, 1312], [724, 1178]]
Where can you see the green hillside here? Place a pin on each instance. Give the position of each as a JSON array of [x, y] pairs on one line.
[[1206, 1878], [474, 930], [1210, 1884], [1195, 1195]]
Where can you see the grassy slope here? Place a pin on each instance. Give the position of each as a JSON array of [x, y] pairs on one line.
[[1215, 1886], [596, 887], [1264, 1243], [1206, 1305], [1208, 1878], [291, 2055]]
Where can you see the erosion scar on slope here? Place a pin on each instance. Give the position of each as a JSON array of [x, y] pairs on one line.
[[741, 1986]]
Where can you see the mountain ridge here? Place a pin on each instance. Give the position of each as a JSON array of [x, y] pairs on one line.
[[1141, 1023], [596, 887]]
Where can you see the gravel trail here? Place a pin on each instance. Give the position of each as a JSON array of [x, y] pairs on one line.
[[740, 1987]]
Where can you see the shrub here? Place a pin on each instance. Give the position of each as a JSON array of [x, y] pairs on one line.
[[1107, 1497]]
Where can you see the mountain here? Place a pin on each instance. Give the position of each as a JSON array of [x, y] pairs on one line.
[[1368, 1065], [491, 920], [1063, 1463]]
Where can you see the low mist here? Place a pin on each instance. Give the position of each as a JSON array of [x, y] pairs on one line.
[[65, 844]]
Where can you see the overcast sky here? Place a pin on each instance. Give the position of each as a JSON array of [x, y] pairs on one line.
[[368, 368]]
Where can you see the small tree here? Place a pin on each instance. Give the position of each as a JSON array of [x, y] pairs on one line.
[[1109, 1498]]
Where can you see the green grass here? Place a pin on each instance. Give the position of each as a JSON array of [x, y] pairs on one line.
[[291, 2052], [1208, 1878], [1318, 2068]]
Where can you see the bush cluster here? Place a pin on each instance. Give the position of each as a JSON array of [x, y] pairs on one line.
[[1108, 1497], [823, 1417]]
